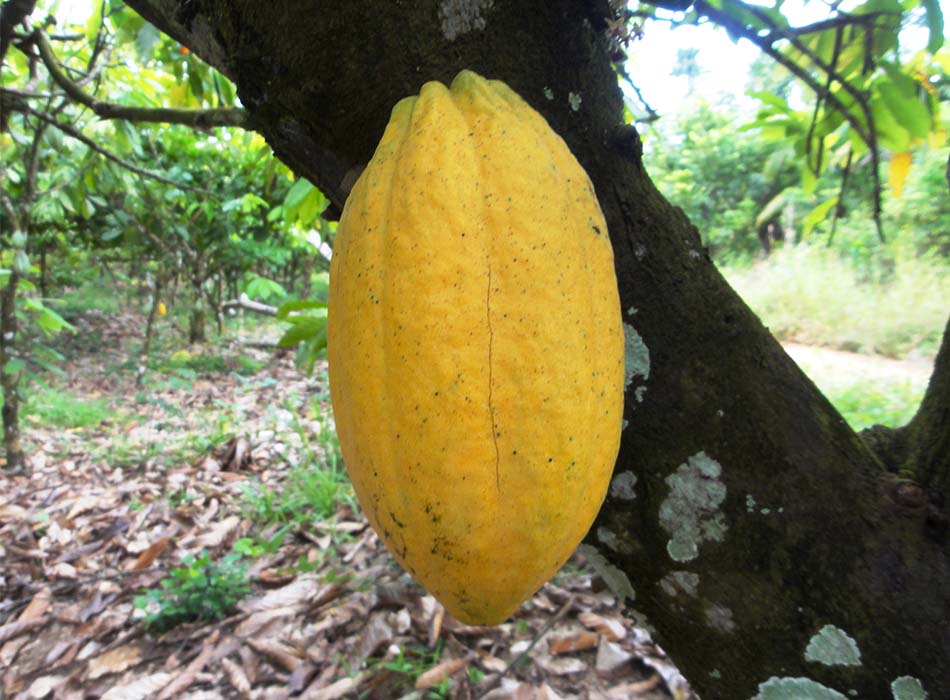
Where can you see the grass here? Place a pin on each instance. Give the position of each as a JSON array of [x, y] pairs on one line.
[[311, 491], [809, 294], [865, 404], [92, 295], [57, 408], [895, 306]]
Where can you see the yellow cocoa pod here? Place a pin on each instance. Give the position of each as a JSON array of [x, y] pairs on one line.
[[475, 346], [161, 309]]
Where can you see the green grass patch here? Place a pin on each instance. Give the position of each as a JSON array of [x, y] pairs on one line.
[[865, 404], [200, 590], [98, 295], [809, 294], [51, 407], [189, 365], [311, 491]]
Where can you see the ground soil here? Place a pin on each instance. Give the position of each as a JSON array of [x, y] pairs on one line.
[[109, 510], [828, 367]]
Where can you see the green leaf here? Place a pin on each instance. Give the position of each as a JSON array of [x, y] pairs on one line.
[[304, 328], [907, 109], [284, 310], [817, 215], [779, 103], [51, 322], [934, 24], [14, 365], [889, 130], [311, 208], [772, 208], [298, 193]]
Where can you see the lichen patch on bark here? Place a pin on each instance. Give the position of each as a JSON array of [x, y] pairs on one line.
[[832, 646], [690, 513]]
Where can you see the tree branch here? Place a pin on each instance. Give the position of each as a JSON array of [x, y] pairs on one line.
[[196, 118], [79, 136], [11, 14], [766, 45]]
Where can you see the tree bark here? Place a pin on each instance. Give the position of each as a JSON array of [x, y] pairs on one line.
[[10, 379], [767, 546]]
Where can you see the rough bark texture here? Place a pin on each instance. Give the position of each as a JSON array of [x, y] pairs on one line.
[[756, 528], [15, 458]]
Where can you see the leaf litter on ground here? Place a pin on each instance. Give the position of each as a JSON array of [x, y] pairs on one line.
[[109, 511]]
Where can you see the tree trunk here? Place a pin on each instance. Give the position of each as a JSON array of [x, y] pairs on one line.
[[10, 378], [197, 316], [768, 548], [152, 315]]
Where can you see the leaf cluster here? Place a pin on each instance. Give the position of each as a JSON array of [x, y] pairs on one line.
[[200, 590]]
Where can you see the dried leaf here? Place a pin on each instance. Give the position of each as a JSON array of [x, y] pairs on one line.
[[334, 691], [236, 676], [611, 657], [115, 660], [83, 504], [440, 672], [296, 593], [38, 606], [578, 641], [14, 629], [281, 654], [217, 534], [546, 692], [561, 665], [153, 552], [612, 628], [138, 689], [187, 677], [510, 690], [10, 512], [43, 686], [633, 690], [254, 625], [376, 634]]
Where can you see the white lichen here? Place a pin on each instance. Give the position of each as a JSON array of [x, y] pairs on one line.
[[574, 100], [548, 93], [639, 251], [832, 646], [632, 311], [908, 688], [677, 582], [796, 689], [690, 511], [623, 486], [458, 17], [749, 503], [636, 356], [720, 618], [639, 393]]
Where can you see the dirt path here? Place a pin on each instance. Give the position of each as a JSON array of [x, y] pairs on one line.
[[838, 368]]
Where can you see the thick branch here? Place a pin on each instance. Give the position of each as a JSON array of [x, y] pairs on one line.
[[11, 14], [197, 118]]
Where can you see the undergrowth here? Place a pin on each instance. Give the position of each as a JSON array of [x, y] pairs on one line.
[[895, 305]]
